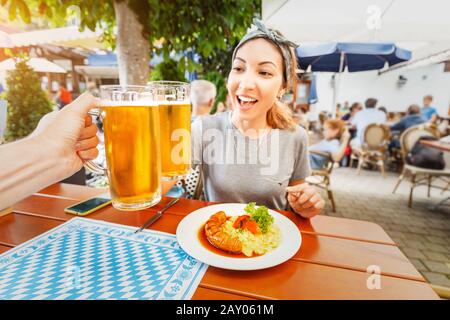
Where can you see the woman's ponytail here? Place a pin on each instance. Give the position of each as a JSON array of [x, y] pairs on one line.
[[280, 117]]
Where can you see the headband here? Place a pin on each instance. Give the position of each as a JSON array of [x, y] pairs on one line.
[[278, 40]]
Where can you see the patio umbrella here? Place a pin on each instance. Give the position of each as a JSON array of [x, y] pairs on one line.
[[336, 56], [37, 64], [5, 40]]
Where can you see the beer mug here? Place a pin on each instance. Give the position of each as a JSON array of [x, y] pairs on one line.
[[132, 146], [175, 124]]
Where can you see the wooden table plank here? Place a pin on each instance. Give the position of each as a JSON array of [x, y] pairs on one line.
[[323, 225], [290, 280], [356, 255], [16, 229], [298, 280], [440, 145], [4, 249], [330, 264], [72, 191], [318, 249]]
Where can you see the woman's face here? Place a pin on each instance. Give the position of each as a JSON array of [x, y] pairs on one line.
[[256, 79]]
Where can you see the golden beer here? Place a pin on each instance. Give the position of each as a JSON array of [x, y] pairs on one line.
[[132, 147], [175, 124]]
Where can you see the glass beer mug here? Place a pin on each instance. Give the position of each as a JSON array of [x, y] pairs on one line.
[[132, 146], [174, 107]]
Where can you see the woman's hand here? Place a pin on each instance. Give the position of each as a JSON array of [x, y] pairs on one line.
[[69, 134], [305, 200]]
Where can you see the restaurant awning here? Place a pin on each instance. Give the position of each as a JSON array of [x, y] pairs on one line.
[[5, 40], [70, 37], [37, 64], [98, 71]]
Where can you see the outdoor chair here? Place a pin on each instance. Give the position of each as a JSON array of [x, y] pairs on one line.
[[321, 177], [193, 184], [419, 176], [374, 147]]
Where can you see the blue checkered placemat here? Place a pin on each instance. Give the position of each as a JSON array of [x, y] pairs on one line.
[[88, 259]]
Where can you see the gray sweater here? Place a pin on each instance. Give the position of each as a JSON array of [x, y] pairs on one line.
[[240, 169]]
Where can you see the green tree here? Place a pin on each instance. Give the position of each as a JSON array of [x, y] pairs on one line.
[[27, 102], [146, 26], [167, 70]]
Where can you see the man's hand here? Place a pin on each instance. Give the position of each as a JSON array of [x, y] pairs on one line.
[[69, 134]]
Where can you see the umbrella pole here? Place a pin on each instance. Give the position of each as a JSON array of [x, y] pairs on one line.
[[337, 82]]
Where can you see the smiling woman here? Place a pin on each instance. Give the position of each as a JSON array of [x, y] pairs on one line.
[[257, 153]]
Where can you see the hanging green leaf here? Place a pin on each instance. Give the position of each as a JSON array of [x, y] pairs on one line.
[[24, 11], [12, 10]]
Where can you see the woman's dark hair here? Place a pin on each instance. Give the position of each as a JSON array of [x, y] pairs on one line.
[[355, 105]]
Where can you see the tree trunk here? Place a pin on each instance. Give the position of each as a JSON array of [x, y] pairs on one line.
[[133, 49]]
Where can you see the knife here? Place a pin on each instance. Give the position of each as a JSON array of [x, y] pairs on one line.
[[157, 215]]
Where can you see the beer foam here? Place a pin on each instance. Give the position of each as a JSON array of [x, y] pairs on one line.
[[171, 102], [136, 103]]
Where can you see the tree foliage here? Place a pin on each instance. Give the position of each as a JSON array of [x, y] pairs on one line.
[[27, 102], [167, 70], [210, 28]]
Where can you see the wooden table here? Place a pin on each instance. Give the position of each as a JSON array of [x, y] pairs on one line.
[[331, 263], [443, 146]]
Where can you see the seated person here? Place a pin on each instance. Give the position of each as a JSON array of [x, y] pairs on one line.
[[336, 138], [413, 117], [353, 110], [203, 95], [364, 118], [429, 112], [348, 117]]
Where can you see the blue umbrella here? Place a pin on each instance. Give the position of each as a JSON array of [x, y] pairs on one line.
[[336, 56], [313, 91]]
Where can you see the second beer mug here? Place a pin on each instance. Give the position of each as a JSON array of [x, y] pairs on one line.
[[132, 145], [175, 125]]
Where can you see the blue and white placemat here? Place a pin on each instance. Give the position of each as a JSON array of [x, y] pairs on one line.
[[89, 259]]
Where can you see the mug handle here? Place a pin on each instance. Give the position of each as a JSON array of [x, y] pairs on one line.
[[89, 164], [93, 167]]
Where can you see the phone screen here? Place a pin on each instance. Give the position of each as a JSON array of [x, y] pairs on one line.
[[88, 205]]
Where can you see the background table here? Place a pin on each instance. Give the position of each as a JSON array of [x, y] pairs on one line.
[[331, 263], [443, 146]]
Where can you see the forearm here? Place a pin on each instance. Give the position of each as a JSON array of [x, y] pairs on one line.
[[26, 166], [337, 156]]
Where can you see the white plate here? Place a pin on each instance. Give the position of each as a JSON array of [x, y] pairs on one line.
[[188, 230]]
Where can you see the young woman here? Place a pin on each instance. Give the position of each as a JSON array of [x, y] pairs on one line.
[[336, 138], [257, 153]]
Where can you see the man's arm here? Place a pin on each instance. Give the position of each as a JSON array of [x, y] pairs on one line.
[[54, 151], [27, 166], [399, 126], [434, 118]]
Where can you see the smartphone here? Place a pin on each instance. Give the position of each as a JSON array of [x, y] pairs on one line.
[[90, 205]]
